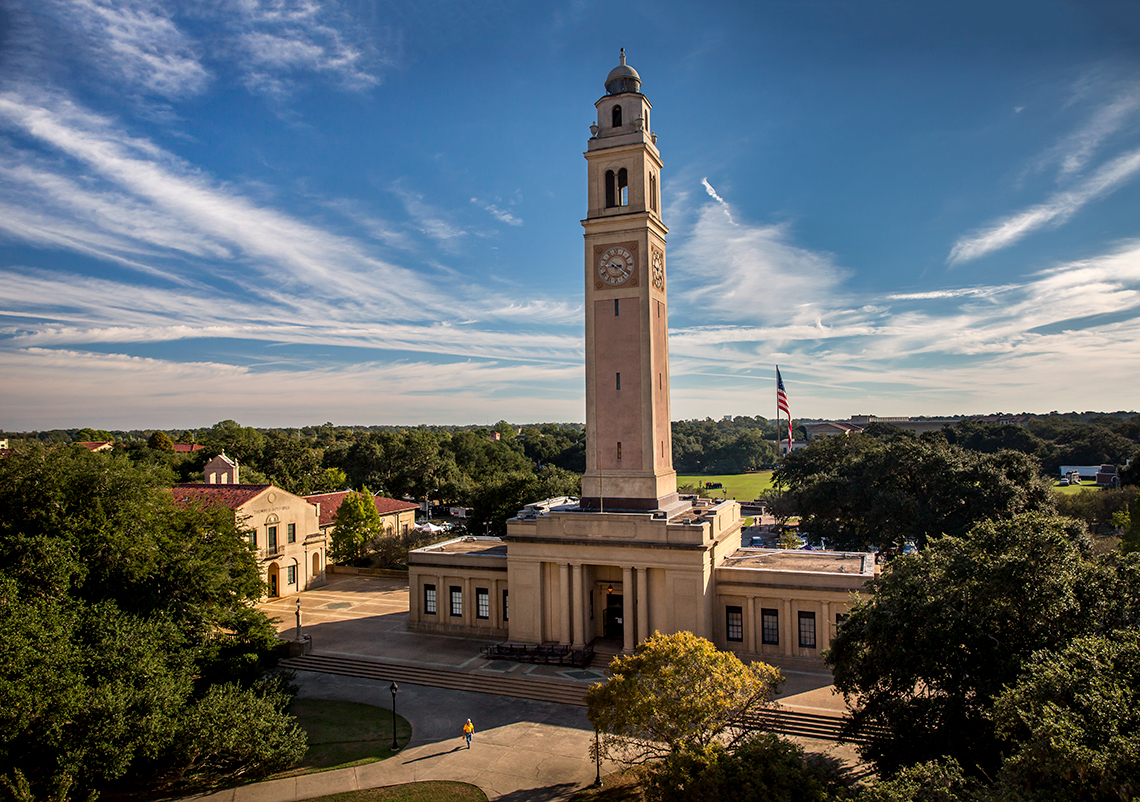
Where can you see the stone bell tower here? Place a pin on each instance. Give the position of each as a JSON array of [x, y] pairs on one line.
[[629, 457]]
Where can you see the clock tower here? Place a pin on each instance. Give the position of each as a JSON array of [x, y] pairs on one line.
[[629, 457]]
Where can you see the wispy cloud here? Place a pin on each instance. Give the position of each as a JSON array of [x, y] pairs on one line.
[[501, 215], [136, 42], [1071, 155], [1057, 209], [149, 199]]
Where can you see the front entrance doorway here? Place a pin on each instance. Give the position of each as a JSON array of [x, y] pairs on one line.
[[613, 624]]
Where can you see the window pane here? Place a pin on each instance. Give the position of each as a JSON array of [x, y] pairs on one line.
[[482, 603], [456, 600], [506, 608], [292, 533], [807, 630], [735, 623], [429, 599], [770, 626]]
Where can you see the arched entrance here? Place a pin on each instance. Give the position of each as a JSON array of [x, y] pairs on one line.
[[316, 564], [273, 579]]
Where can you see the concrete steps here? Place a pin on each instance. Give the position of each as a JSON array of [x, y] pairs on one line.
[[808, 725], [517, 687]]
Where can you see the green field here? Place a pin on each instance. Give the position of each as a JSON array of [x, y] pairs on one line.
[[740, 486], [1073, 489]]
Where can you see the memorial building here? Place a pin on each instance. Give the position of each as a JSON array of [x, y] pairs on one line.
[[630, 556]]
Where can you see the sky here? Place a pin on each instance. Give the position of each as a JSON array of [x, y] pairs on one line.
[[286, 212]]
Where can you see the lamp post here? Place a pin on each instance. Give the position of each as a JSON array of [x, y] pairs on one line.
[[597, 760], [393, 688]]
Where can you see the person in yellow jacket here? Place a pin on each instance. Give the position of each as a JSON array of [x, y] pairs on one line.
[[468, 731]]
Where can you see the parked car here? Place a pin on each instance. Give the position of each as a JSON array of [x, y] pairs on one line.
[[909, 548], [1063, 482]]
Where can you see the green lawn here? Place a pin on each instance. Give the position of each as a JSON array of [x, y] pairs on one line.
[[1072, 489], [437, 791], [343, 734], [741, 486]]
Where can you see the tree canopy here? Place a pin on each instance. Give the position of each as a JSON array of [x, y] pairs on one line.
[[677, 692], [357, 523], [121, 611], [887, 486], [944, 631]]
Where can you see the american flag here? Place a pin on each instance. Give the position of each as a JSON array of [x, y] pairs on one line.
[[782, 403]]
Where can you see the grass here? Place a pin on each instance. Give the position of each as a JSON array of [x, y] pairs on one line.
[[344, 734], [437, 791], [1073, 489], [741, 486]]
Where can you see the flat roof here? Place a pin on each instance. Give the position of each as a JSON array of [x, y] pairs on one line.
[[489, 546], [823, 562]]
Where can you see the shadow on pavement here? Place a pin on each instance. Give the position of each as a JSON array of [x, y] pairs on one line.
[[560, 791], [437, 754]]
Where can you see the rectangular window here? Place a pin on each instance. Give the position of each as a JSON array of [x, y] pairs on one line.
[[619, 450], [291, 533], [619, 381], [429, 599], [482, 603], [273, 538], [807, 630], [291, 575], [506, 609], [616, 309], [770, 626], [456, 600], [253, 538], [734, 621]]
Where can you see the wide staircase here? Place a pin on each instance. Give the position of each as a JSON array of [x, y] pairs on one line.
[[521, 687]]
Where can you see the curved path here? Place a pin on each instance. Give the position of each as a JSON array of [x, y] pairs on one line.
[[522, 750]]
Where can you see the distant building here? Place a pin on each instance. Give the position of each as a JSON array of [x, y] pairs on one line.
[[187, 448], [97, 445], [397, 517], [283, 528]]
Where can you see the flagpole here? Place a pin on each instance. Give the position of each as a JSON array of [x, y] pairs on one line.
[[777, 410]]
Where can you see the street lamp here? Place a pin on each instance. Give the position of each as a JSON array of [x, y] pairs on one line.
[[597, 760], [393, 688]]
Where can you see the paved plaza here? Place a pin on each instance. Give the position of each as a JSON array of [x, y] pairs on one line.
[[522, 750]]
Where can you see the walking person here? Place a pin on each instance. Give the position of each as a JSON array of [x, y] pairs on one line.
[[468, 731]]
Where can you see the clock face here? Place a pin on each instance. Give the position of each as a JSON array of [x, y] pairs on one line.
[[658, 269], [616, 266]]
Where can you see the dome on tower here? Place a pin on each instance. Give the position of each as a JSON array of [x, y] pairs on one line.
[[622, 78]]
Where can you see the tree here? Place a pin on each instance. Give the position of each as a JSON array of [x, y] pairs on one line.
[[357, 524], [763, 767], [923, 658], [501, 498], [120, 610], [677, 692], [1073, 718], [886, 488], [160, 441]]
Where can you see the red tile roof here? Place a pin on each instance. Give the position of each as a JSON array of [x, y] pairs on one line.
[[96, 445], [232, 496], [186, 448], [330, 503]]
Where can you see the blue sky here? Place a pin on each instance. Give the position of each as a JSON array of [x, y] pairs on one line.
[[297, 211]]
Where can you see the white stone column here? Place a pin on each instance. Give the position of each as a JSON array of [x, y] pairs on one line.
[[579, 629], [564, 596], [788, 628], [627, 607], [642, 604]]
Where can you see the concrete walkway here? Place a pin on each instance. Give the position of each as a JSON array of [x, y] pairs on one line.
[[522, 750]]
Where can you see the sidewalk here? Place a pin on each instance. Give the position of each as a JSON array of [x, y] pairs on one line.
[[522, 750]]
